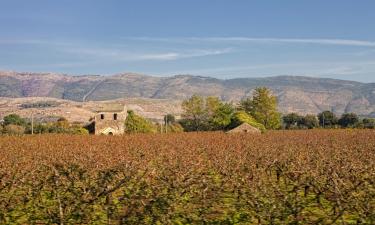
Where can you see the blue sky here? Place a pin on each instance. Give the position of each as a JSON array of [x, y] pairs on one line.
[[222, 39]]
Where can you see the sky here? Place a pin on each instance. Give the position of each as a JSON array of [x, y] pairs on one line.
[[221, 38]]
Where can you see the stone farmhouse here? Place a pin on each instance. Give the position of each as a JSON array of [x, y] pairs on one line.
[[109, 119]]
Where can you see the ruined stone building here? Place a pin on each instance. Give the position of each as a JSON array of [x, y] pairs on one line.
[[109, 119], [245, 128]]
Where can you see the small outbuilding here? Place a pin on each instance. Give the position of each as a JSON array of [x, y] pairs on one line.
[[245, 128]]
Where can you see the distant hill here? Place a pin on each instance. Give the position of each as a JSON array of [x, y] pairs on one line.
[[295, 94]]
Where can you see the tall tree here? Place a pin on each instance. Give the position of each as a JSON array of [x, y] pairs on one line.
[[221, 117], [205, 114], [327, 119], [310, 121], [348, 120], [292, 120], [263, 108], [194, 116]]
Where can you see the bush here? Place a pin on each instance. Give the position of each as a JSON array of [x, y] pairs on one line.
[[14, 119], [368, 123], [12, 129], [79, 130], [137, 124], [40, 128], [172, 128]]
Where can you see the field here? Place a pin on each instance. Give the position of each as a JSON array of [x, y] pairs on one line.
[[280, 177]]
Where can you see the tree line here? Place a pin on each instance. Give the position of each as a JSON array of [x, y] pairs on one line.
[[326, 119], [260, 111], [14, 124], [205, 114]]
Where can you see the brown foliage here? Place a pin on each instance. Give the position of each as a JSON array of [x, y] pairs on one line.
[[300, 177]]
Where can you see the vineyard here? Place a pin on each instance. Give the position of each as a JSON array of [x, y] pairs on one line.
[[280, 177]]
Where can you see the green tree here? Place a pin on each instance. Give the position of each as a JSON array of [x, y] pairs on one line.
[[348, 120], [219, 114], [194, 116], [241, 117], [327, 119], [292, 120], [310, 121], [263, 108], [212, 104], [221, 117], [14, 119], [206, 114], [137, 124]]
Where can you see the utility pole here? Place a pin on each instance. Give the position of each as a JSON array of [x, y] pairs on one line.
[[32, 123], [165, 123]]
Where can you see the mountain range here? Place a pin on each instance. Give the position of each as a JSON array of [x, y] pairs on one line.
[[295, 94]]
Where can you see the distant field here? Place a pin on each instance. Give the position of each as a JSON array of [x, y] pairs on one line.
[[280, 177]]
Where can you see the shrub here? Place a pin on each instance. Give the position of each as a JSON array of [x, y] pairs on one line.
[[368, 123], [79, 130], [12, 129], [137, 124], [14, 119]]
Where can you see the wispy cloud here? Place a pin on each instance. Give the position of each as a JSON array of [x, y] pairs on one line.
[[182, 55], [320, 41], [38, 42], [125, 55]]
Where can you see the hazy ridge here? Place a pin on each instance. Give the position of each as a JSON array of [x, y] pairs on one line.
[[295, 94]]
